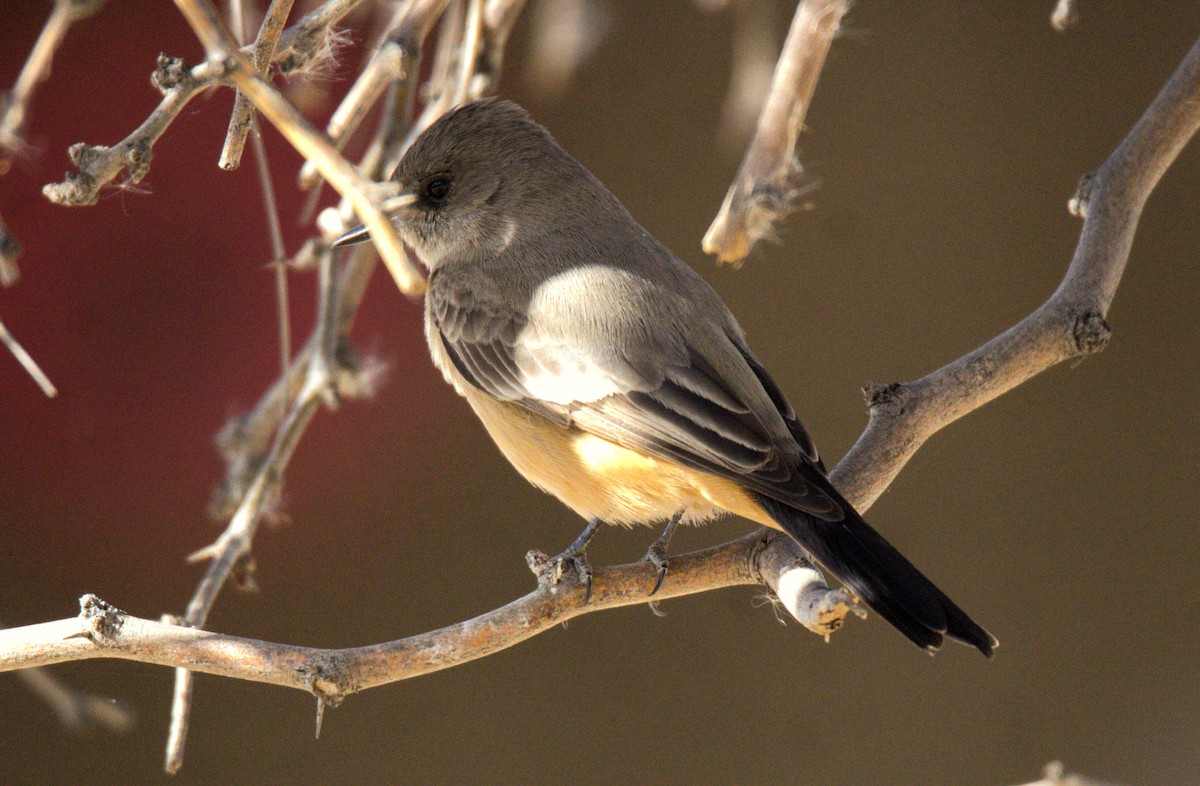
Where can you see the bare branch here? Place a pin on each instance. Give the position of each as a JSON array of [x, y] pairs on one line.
[[1068, 325], [766, 184], [99, 165], [262, 51], [1071, 325], [14, 106], [27, 362], [232, 548], [102, 631]]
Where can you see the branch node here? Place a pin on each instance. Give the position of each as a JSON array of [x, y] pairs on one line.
[[1090, 332], [169, 73], [1078, 204], [329, 678], [536, 559], [101, 620], [892, 397], [137, 160], [84, 155]]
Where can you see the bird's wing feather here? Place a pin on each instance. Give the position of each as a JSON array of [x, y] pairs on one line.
[[702, 401]]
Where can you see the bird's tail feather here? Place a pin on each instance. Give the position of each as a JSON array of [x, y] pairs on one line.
[[880, 576]]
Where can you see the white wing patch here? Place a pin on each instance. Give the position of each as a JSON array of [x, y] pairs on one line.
[[557, 370]]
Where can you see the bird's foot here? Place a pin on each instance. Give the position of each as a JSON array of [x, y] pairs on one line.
[[656, 555], [551, 570]]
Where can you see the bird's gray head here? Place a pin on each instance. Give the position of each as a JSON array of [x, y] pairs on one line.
[[476, 178]]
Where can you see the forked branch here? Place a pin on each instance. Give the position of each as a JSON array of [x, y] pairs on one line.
[[1071, 324]]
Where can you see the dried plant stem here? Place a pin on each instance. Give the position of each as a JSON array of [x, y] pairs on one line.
[[1071, 324], [393, 63], [261, 53], [14, 107], [765, 186], [98, 165], [27, 362], [102, 631]]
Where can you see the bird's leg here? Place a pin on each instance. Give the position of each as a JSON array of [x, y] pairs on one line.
[[656, 555], [576, 556]]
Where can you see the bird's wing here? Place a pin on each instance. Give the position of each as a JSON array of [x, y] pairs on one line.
[[683, 389]]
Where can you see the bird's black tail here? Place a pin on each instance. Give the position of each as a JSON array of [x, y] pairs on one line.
[[879, 575]]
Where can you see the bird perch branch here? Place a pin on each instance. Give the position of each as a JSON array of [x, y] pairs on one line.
[[902, 415], [1069, 325]]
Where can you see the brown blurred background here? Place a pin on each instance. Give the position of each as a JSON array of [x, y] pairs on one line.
[[947, 138]]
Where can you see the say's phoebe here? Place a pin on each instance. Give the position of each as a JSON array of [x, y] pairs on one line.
[[608, 372]]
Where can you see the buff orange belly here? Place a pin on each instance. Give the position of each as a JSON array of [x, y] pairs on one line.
[[600, 479]]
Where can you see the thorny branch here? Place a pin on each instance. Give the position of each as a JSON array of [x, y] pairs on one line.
[[1070, 324], [1110, 200], [324, 366], [99, 165]]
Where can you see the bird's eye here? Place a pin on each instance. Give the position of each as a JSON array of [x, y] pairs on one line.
[[437, 189]]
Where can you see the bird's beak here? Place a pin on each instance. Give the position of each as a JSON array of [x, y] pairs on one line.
[[360, 234]]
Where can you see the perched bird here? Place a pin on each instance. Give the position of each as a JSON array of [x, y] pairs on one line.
[[608, 372]]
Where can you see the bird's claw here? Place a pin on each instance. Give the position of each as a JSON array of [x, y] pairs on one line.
[[656, 555]]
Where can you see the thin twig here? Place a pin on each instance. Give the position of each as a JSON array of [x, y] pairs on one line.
[[233, 546], [278, 252], [468, 56], [27, 362], [99, 165], [262, 52], [391, 64], [14, 106], [766, 184], [1070, 325]]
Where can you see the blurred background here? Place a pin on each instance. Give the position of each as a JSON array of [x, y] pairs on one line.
[[946, 137]]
